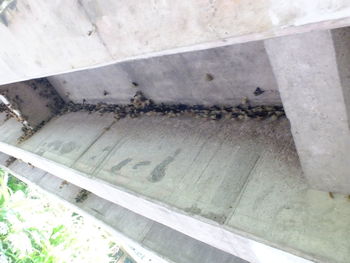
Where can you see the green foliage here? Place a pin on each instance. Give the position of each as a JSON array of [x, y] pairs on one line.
[[39, 247], [16, 185], [35, 229]]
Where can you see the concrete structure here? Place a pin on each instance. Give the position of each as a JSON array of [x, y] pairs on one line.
[[312, 71], [20, 98], [234, 72], [155, 242], [222, 188], [247, 212], [49, 37]]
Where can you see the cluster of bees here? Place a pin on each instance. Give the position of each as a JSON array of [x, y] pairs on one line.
[[141, 105], [9, 113], [29, 131], [45, 90], [82, 196], [10, 161]]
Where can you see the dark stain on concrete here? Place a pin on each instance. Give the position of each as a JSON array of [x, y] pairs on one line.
[[119, 166], [143, 163], [158, 172], [68, 147], [98, 212], [41, 152], [193, 210], [216, 217], [55, 145]]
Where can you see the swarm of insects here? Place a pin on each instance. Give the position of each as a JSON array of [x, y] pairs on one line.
[[82, 196], [10, 161], [29, 131], [141, 105], [5, 109]]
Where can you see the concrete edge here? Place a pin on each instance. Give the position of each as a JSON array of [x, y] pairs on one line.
[[123, 238], [233, 241], [288, 30]]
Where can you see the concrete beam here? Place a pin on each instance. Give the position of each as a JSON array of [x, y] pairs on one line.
[[43, 38], [312, 72], [151, 241], [218, 76]]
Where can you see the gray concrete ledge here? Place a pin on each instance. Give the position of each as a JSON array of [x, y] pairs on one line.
[[157, 243]]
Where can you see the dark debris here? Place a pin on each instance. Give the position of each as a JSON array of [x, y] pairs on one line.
[[141, 105], [82, 196], [258, 91]]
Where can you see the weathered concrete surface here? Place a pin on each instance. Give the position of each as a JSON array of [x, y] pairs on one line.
[[226, 184], [41, 38], [156, 242], [34, 102], [216, 76], [315, 92]]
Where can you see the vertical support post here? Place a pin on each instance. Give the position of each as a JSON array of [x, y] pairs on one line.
[[314, 82]]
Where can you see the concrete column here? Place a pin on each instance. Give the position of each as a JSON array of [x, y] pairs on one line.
[[313, 77]]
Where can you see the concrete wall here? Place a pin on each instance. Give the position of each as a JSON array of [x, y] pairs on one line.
[[215, 76], [41, 38], [34, 102]]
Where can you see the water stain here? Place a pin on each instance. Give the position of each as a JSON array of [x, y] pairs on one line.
[[119, 166], [98, 212], [216, 217], [107, 149], [193, 210], [40, 152], [55, 145], [158, 172], [144, 163], [68, 147]]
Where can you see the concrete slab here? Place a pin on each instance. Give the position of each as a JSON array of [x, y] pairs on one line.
[[215, 166], [153, 242], [314, 90], [46, 38]]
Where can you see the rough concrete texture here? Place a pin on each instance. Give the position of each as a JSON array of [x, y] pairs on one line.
[[34, 102], [133, 230], [216, 76], [41, 38], [225, 183], [314, 90]]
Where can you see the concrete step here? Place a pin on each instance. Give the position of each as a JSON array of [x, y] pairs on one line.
[[234, 185], [147, 240]]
